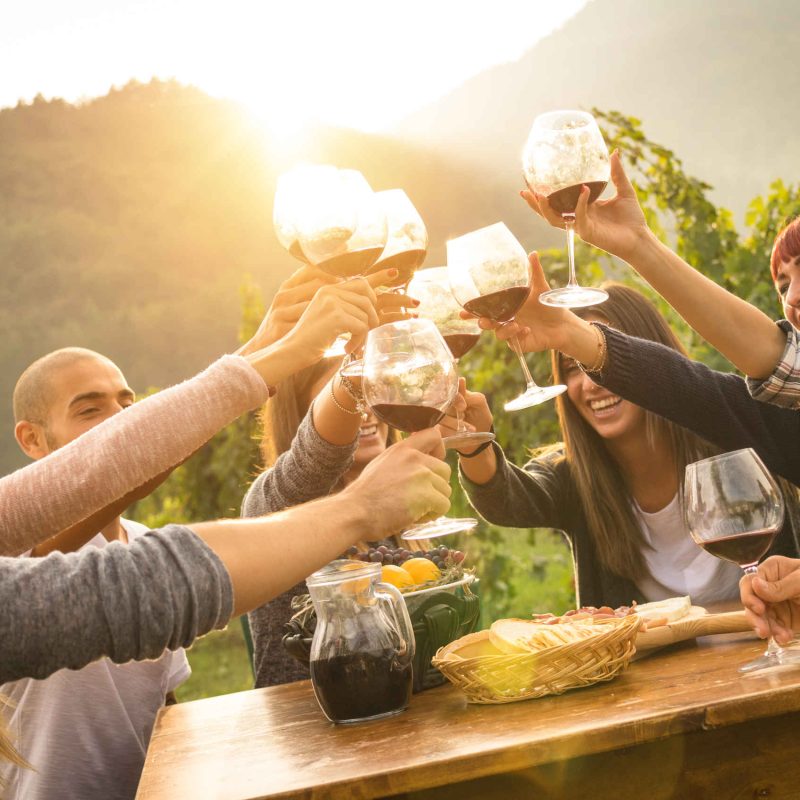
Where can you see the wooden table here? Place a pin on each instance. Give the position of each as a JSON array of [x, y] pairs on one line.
[[682, 723]]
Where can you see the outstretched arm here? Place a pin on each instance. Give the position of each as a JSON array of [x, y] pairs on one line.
[[742, 333]]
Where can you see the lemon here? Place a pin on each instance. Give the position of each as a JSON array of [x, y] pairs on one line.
[[422, 570], [397, 576]]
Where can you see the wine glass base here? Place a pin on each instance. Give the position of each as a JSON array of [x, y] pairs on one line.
[[337, 349], [782, 658], [534, 396], [444, 526], [573, 297], [467, 439]]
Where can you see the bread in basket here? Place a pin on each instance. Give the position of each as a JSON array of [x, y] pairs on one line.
[[534, 660]]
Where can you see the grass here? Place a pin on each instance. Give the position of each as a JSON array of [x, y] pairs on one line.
[[521, 573], [220, 665]]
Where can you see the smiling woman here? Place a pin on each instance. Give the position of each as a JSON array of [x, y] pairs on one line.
[[613, 485]]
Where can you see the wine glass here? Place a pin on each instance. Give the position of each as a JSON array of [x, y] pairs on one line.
[[490, 277], [734, 509], [564, 152], [407, 236], [341, 229], [409, 381], [431, 287]]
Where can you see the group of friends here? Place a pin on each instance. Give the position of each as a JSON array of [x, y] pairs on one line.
[[96, 609]]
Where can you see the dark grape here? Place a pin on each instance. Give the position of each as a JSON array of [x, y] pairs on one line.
[[443, 552], [376, 557], [458, 556], [398, 560], [351, 551], [383, 549]]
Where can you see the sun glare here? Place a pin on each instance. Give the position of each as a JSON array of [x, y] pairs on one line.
[[349, 63]]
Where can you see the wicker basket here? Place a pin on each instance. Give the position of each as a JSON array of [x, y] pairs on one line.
[[486, 675]]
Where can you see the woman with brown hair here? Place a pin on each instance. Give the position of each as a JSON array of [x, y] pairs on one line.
[[614, 485], [317, 439]]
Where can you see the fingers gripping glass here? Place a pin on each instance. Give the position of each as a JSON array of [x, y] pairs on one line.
[[489, 277], [565, 151], [734, 509], [409, 381]]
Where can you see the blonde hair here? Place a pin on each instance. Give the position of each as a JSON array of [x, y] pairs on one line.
[[8, 753], [601, 485]]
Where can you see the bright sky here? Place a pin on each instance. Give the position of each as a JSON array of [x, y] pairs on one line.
[[356, 63]]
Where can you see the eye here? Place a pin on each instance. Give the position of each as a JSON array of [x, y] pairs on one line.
[[87, 412], [782, 289]]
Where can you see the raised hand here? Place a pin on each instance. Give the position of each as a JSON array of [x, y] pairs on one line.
[[616, 225], [538, 327], [772, 598], [288, 305], [406, 483]]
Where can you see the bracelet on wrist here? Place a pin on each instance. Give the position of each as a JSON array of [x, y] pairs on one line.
[[602, 351], [359, 411], [479, 449]]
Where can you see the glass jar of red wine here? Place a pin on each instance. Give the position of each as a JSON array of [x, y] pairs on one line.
[[363, 645]]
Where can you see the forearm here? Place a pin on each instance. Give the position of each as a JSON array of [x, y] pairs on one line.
[[123, 453], [267, 556], [122, 602], [480, 469], [335, 425], [742, 333]]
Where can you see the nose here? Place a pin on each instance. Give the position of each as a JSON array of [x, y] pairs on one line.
[[792, 297], [587, 384]]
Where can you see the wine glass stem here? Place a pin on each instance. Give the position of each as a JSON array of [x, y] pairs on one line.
[[774, 650], [516, 347], [460, 426], [569, 224]]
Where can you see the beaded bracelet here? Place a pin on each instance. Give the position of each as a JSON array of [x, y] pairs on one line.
[[602, 351]]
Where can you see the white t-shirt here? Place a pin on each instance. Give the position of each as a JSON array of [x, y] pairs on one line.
[[677, 565], [86, 732]]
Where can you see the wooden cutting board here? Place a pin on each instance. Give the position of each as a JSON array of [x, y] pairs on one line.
[[697, 623]]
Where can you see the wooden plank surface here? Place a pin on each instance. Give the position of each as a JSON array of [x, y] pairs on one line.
[[275, 742]]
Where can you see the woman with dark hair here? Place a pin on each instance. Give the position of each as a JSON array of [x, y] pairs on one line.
[[614, 485], [316, 441]]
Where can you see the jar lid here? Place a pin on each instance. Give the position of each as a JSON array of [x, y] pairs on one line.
[[343, 569]]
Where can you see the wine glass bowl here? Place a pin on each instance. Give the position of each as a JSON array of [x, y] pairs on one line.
[[565, 151], [734, 509], [490, 277], [409, 378], [342, 229], [406, 239]]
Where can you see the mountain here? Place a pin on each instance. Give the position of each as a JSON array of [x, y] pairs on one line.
[[128, 223], [711, 80]]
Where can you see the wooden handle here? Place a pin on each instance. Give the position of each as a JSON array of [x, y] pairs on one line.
[[692, 627]]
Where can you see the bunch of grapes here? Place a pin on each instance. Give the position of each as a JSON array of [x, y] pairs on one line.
[[441, 556]]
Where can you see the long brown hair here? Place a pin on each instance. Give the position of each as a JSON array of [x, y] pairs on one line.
[[605, 496], [8, 753], [282, 415]]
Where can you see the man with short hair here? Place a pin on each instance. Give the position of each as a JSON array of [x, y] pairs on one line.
[[85, 732]]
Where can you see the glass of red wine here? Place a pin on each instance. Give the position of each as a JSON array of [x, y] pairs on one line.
[[734, 509], [490, 277], [431, 287], [406, 236], [341, 228], [409, 381], [564, 152]]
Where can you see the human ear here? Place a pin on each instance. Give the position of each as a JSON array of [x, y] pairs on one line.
[[31, 439]]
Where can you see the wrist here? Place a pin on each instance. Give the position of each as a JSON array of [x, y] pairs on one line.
[[645, 244]]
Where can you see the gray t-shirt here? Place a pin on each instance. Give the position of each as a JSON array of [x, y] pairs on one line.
[[123, 602]]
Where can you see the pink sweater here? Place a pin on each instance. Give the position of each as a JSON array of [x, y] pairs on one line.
[[122, 453]]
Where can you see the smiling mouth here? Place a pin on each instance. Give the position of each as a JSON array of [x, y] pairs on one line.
[[368, 430], [606, 404]]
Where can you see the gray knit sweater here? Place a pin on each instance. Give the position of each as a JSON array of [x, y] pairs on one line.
[[311, 468], [123, 602]]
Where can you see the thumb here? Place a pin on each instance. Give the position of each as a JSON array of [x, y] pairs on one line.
[[618, 177], [538, 281]]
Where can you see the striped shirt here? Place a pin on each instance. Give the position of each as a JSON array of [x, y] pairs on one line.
[[782, 388]]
